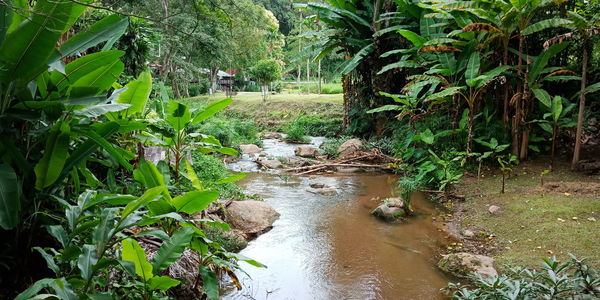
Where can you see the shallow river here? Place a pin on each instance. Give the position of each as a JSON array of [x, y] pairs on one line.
[[330, 247]]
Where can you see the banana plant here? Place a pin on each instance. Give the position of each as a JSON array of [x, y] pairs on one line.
[[178, 132], [586, 29], [47, 108], [554, 119]]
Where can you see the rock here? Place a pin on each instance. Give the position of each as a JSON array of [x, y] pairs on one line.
[[251, 217], [394, 202], [270, 163], [350, 147], [306, 151], [463, 264], [326, 192], [591, 219], [262, 154], [295, 161], [250, 148], [468, 233], [316, 185], [388, 213], [272, 135], [493, 209]]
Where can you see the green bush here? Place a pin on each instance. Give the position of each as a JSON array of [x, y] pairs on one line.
[[199, 89], [231, 131], [296, 132], [210, 169], [315, 125]]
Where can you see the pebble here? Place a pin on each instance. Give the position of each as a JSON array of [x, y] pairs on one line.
[[591, 219]]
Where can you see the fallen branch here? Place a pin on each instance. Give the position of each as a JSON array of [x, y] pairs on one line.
[[314, 168]]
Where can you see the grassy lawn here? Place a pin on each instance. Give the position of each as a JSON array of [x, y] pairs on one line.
[[279, 109], [535, 221], [285, 96]]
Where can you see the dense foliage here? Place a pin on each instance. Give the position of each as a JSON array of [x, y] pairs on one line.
[[458, 84]]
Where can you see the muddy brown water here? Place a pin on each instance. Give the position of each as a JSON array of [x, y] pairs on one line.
[[330, 247]]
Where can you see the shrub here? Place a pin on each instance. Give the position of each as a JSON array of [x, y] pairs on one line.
[[573, 279], [198, 89], [231, 131], [210, 171], [316, 125], [296, 132]]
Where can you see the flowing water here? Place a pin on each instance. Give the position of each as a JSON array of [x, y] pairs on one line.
[[330, 247]]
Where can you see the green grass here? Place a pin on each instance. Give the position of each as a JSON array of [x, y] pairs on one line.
[[529, 222], [280, 109]]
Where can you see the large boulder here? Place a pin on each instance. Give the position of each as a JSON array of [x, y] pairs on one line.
[[350, 147], [270, 163], [464, 264], [251, 217], [306, 151], [249, 148], [390, 210]]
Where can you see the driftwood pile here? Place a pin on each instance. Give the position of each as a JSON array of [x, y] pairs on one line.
[[373, 159]]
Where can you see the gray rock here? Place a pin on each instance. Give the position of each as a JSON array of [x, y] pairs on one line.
[[262, 154], [270, 163], [350, 147], [493, 209], [464, 264], [250, 148], [394, 202], [326, 192], [306, 151], [388, 213], [250, 216]]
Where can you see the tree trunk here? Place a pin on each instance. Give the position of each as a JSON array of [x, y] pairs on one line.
[[319, 76], [581, 114], [517, 117], [308, 74], [214, 76], [554, 135], [470, 130], [506, 90]]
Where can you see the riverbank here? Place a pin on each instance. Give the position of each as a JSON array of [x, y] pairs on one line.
[[529, 221]]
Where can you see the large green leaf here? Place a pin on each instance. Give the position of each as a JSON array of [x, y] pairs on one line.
[[87, 260], [105, 229], [540, 63], [132, 252], [84, 66], [86, 149], [211, 110], [147, 197], [178, 115], [49, 168], [171, 249], [472, 68], [97, 110], [557, 108], [193, 202], [101, 31], [25, 51], [545, 24], [98, 139], [210, 282], [60, 286], [162, 283], [49, 260], [192, 176], [6, 17], [10, 203], [137, 94], [543, 96]]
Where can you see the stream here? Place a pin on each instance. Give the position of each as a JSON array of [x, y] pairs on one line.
[[330, 247]]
